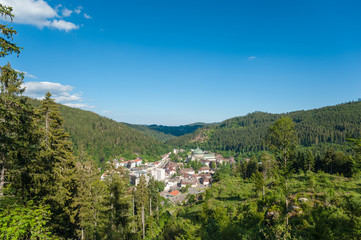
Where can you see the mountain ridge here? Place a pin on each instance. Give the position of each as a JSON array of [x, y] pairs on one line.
[[329, 124]]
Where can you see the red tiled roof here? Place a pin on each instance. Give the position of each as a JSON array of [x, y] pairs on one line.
[[137, 160], [174, 193]]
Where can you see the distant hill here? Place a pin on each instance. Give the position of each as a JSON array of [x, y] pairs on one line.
[[164, 133], [242, 134], [103, 138]]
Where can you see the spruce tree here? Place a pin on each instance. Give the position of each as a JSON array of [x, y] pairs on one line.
[[118, 200], [17, 141], [22, 217], [309, 164], [57, 157], [90, 202]]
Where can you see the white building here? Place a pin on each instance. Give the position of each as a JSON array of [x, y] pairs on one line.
[[171, 184], [191, 182], [158, 174]]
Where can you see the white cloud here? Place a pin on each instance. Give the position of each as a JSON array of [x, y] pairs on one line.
[[87, 16], [39, 13], [252, 58], [78, 9], [79, 105], [63, 25], [66, 12], [61, 93]]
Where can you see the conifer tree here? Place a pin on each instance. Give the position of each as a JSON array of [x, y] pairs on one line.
[[142, 199], [58, 159], [16, 118], [118, 203], [10, 82], [309, 164], [282, 139], [90, 202], [22, 217]]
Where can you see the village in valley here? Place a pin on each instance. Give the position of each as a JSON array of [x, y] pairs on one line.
[[182, 172]]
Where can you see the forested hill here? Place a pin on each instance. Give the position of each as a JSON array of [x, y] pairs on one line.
[[246, 134], [164, 133], [102, 137]]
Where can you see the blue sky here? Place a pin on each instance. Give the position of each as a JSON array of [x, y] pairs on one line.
[[179, 62]]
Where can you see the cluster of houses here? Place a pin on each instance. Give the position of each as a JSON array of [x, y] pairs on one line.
[[173, 174]]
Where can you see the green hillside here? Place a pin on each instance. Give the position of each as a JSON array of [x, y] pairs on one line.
[[103, 138], [328, 125]]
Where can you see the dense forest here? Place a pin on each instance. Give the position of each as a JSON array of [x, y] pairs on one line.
[[103, 138], [325, 126]]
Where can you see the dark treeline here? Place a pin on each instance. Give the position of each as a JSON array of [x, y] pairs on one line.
[[176, 130], [165, 133]]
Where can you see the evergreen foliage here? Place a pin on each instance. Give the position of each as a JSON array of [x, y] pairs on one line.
[[102, 138], [322, 127]]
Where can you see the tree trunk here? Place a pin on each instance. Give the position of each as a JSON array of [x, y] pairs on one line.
[[82, 233], [2, 179]]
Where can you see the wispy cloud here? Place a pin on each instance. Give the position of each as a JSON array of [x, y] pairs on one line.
[[27, 75], [78, 9], [252, 58], [39, 13], [66, 12], [79, 105], [61, 93], [87, 16]]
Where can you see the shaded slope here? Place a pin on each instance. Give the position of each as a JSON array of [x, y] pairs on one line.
[[164, 133]]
